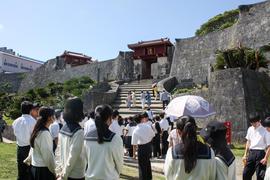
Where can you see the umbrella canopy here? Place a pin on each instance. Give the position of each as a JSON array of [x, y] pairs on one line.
[[194, 106]]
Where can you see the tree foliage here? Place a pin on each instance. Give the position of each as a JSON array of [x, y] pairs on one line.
[[219, 22], [240, 57], [54, 94]]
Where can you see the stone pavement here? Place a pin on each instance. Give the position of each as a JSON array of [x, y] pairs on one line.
[[5, 140]]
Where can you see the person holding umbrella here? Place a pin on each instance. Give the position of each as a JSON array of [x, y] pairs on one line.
[[190, 159]]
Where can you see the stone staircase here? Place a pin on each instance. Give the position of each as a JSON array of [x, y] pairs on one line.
[[120, 101]]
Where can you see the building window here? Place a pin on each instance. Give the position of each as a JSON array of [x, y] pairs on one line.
[[150, 51]]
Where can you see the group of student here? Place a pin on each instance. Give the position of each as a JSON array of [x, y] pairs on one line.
[[96, 152]]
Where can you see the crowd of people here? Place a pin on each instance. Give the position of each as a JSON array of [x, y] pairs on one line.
[[52, 144], [145, 98]]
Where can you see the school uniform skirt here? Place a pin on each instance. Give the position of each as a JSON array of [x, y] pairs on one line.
[[41, 173]]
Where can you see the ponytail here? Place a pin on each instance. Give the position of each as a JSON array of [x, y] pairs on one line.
[[187, 125], [102, 114], [44, 114]]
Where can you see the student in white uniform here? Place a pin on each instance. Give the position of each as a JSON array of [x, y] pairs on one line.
[[191, 159], [43, 163], [129, 131], [55, 128], [23, 127], [215, 135], [257, 150], [71, 164], [267, 126], [164, 125], [103, 149], [115, 127], [142, 137], [90, 124]]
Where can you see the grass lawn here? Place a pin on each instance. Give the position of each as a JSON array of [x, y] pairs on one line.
[[8, 167], [238, 150]]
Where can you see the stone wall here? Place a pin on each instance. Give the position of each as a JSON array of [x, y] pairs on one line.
[[193, 56], [102, 94], [115, 69], [8, 133], [11, 82]]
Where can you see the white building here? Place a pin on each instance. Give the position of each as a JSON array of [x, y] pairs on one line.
[[12, 63]]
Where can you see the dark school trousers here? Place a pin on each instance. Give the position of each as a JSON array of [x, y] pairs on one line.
[[144, 153], [165, 104], [156, 146], [41, 173], [23, 169], [165, 142], [253, 164]]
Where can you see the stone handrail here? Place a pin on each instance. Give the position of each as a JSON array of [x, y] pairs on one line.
[[167, 84]]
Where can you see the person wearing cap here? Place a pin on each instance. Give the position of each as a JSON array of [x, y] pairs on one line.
[[55, 128], [23, 128], [70, 163], [257, 150], [190, 159], [215, 135], [142, 137], [34, 110]]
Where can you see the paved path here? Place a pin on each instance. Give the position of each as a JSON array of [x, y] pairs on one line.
[[8, 141]]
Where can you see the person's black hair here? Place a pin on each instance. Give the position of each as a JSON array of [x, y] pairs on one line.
[[132, 122], [102, 114], [157, 118], [137, 118], [189, 137], [58, 113], [148, 109], [266, 122], [162, 115], [144, 115], [254, 119], [157, 127], [115, 114], [26, 107], [73, 111], [120, 121], [91, 115], [44, 114]]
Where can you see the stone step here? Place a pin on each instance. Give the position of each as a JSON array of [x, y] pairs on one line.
[[127, 113], [120, 101], [153, 106], [137, 93], [136, 90], [138, 97]]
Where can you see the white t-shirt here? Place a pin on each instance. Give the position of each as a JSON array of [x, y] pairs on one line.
[[142, 134], [259, 138], [164, 124], [175, 137], [130, 130], [89, 125], [54, 129], [23, 127], [114, 127]]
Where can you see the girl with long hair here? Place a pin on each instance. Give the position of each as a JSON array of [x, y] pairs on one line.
[[103, 149], [42, 157], [190, 159]]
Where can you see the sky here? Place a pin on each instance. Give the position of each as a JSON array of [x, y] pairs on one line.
[[100, 28]]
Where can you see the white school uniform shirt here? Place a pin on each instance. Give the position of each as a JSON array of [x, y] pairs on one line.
[[23, 128], [205, 169], [54, 129], [224, 171], [142, 134], [164, 124], [89, 125], [105, 161], [267, 174], [130, 130], [175, 137], [70, 161], [259, 138], [42, 153], [114, 127]]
